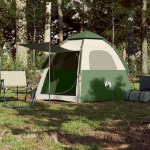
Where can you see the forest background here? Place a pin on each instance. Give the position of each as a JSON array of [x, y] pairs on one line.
[[124, 24]]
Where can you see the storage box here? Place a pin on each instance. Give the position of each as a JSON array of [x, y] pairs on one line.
[[145, 82]]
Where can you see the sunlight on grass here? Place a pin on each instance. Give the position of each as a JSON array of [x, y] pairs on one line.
[[79, 126], [75, 128]]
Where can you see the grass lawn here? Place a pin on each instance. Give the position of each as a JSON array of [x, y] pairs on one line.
[[109, 125]]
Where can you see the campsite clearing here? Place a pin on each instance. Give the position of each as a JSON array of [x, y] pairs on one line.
[[61, 125]]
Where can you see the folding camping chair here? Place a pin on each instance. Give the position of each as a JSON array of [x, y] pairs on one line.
[[16, 81]]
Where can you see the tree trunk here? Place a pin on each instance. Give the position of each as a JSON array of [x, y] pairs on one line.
[[113, 24], [131, 36], [124, 51], [21, 30], [47, 32], [144, 38], [60, 14], [131, 54]]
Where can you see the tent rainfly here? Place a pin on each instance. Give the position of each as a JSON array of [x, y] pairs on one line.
[[85, 68]]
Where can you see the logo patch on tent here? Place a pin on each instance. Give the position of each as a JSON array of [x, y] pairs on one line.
[[107, 83]]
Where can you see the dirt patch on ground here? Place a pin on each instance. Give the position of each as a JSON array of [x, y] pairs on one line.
[[133, 137]]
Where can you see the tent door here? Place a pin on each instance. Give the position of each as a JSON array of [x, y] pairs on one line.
[[64, 74]]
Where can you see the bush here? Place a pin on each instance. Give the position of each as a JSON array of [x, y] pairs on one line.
[[10, 64], [33, 68]]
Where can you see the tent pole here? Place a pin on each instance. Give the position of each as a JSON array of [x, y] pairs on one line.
[[48, 10], [79, 73], [49, 73]]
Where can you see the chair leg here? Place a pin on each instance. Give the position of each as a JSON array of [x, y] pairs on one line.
[[4, 97], [33, 91], [0, 88], [25, 98], [17, 92]]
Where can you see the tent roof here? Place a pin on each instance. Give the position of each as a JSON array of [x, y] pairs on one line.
[[45, 47], [85, 35]]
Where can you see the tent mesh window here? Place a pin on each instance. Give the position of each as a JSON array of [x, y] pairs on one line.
[[101, 60], [65, 61]]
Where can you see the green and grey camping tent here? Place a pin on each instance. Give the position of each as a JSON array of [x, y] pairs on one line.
[[85, 68]]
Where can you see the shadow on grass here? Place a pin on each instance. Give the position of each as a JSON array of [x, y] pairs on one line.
[[99, 125]]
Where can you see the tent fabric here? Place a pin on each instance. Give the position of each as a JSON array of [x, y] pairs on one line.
[[85, 35], [45, 47], [91, 45], [118, 53], [102, 85]]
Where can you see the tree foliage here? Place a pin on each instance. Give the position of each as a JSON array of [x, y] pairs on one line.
[[107, 18]]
